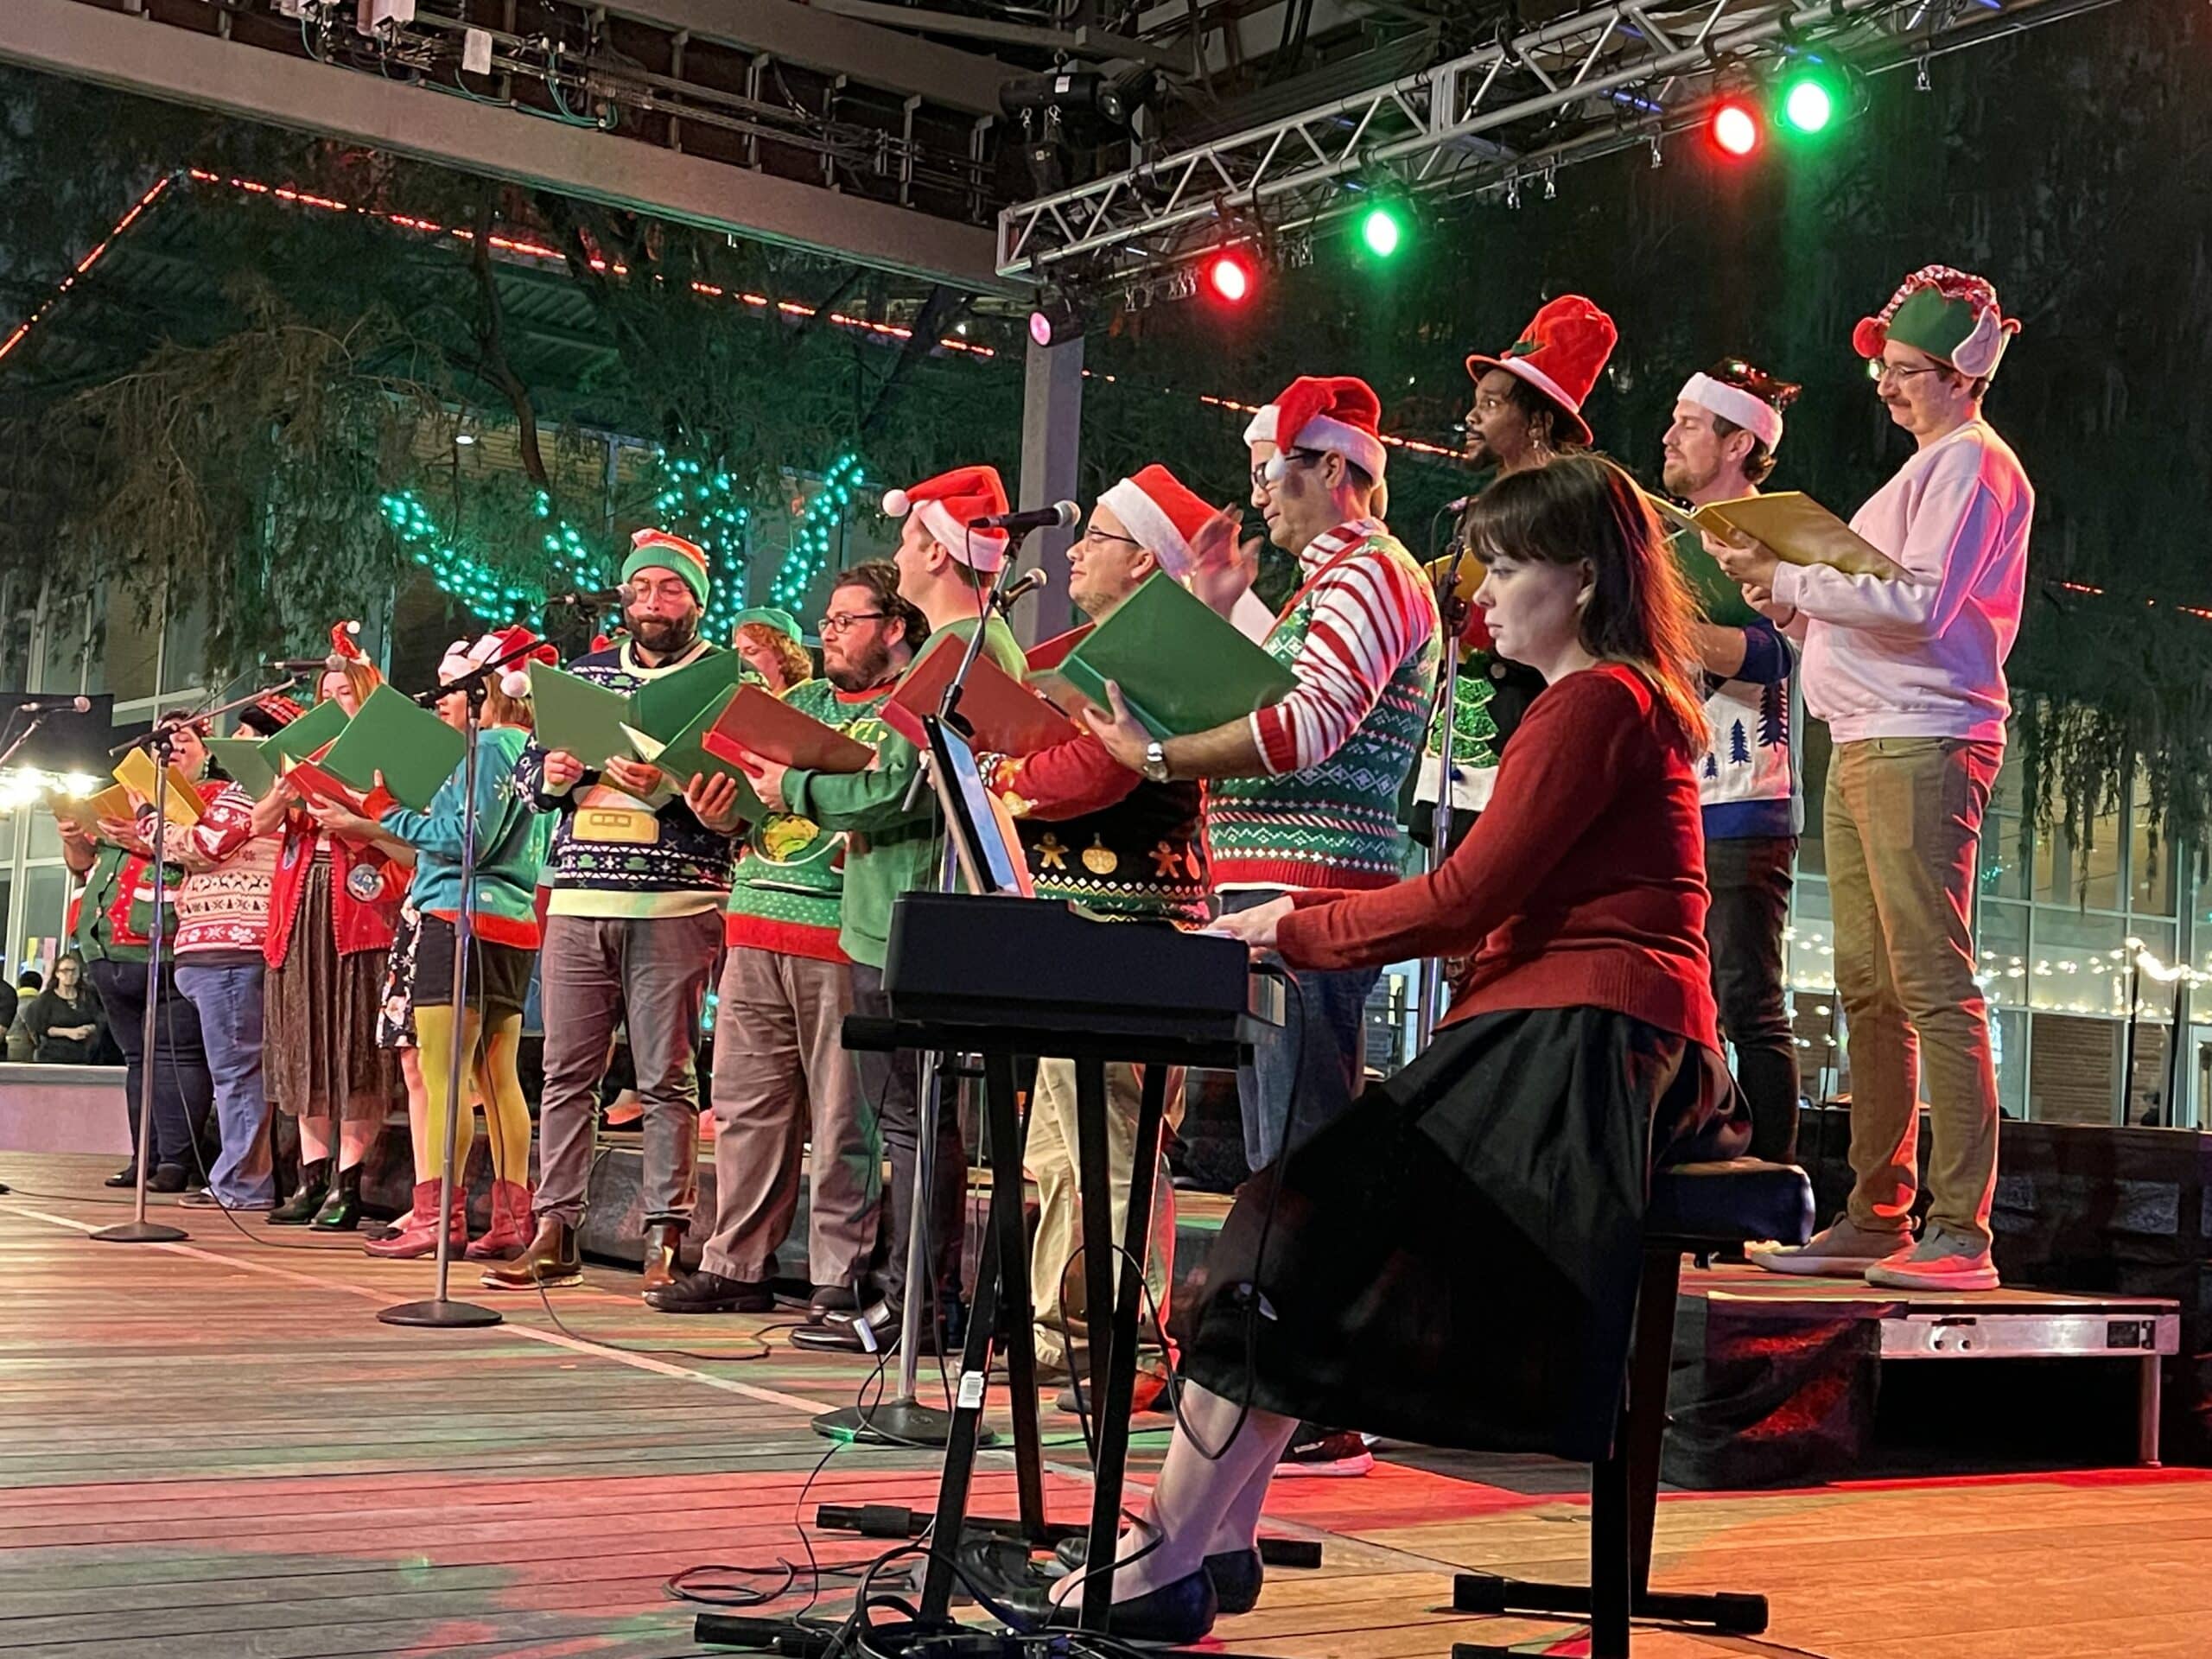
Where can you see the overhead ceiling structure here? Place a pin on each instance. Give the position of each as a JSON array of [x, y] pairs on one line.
[[769, 119], [1596, 77]]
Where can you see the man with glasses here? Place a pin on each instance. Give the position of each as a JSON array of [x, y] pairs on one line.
[[1126, 849], [1908, 672], [640, 873], [1305, 792], [783, 1076], [944, 567]]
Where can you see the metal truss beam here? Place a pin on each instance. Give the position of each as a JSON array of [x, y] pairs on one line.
[[1604, 76], [135, 54]]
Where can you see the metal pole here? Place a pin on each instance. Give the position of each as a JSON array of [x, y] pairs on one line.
[[440, 1311], [138, 1230]]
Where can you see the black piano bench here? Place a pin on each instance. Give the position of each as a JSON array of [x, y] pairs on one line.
[[1695, 1209]]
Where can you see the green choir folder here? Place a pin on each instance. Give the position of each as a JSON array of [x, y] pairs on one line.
[[1714, 589], [306, 734], [685, 756], [414, 750], [245, 759], [595, 723], [1182, 667]]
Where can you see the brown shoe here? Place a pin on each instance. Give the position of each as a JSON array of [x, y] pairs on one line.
[[663, 1241], [551, 1261]]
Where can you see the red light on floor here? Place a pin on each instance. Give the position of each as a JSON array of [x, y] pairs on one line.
[[1735, 129]]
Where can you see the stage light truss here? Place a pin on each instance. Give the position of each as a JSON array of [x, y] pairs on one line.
[[1600, 78]]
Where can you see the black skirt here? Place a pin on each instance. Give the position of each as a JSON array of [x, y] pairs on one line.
[[1455, 1260], [499, 975]]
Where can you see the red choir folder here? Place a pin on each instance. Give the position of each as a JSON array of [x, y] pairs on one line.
[[768, 726], [1006, 715]]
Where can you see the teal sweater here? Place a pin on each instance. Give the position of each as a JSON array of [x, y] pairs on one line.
[[511, 842]]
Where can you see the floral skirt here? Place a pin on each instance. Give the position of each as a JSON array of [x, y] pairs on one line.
[[396, 1008]]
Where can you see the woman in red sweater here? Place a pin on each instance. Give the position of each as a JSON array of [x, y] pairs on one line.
[[1455, 1261]]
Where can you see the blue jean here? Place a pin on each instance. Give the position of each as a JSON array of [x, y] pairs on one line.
[[1306, 1078], [182, 1092], [229, 1001]]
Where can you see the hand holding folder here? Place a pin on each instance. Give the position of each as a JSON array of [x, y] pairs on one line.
[[1791, 525], [1007, 716], [1181, 667], [184, 801]]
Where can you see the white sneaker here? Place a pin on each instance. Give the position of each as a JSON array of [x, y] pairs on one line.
[[1842, 1250], [1942, 1260]]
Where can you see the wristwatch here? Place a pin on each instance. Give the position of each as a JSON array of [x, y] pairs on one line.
[[1155, 763]]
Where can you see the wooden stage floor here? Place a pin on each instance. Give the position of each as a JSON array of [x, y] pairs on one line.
[[212, 1450]]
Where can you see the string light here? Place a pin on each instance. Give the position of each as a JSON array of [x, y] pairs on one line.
[[809, 554], [701, 504]]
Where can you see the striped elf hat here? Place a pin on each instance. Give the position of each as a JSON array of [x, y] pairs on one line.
[[656, 549]]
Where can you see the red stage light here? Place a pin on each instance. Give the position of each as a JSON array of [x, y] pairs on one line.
[[1231, 277], [1735, 127]]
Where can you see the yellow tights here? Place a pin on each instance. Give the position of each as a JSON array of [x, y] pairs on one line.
[[490, 1058]]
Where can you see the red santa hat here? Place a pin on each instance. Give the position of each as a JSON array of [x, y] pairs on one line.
[[1161, 513], [346, 642], [1562, 353], [1339, 413], [947, 503], [463, 657]]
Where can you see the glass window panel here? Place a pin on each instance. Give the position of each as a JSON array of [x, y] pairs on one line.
[[44, 839], [2149, 868], [125, 662], [2078, 965], [184, 646], [2001, 952], [1807, 942], [1817, 1023], [2146, 1086], [7, 843], [2008, 1046], [2083, 874], [62, 667], [2076, 1069], [46, 900], [2004, 859], [1814, 750]]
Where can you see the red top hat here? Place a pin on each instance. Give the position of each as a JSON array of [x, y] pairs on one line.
[[1560, 353]]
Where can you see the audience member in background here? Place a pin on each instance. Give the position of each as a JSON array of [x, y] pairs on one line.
[[29, 983], [113, 935], [769, 640], [222, 922], [511, 840], [65, 1019], [339, 880]]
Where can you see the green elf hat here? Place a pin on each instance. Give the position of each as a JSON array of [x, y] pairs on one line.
[[770, 616], [1950, 315], [656, 549]]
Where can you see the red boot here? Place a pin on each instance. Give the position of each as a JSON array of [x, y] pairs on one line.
[[511, 1224], [418, 1233]]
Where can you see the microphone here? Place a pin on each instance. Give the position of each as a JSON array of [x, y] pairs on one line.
[[55, 705], [304, 664], [1061, 515], [1020, 587], [590, 599], [1458, 504]]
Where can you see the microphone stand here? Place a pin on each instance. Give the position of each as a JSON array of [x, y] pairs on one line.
[[22, 737], [440, 1311], [903, 1420], [1452, 617], [161, 743]]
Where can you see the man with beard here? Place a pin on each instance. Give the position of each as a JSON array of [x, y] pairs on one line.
[[1720, 446], [1526, 410], [641, 868], [783, 1078]]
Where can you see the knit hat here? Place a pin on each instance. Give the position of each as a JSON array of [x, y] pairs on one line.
[[1337, 413], [947, 503], [1758, 413], [279, 708], [346, 642], [463, 657], [1562, 353], [1950, 315], [1161, 514], [770, 616], [656, 549]]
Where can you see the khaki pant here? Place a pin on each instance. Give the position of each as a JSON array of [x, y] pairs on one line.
[[1056, 1272], [1904, 821], [782, 1077]]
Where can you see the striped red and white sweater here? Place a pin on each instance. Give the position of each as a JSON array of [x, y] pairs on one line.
[[1361, 635]]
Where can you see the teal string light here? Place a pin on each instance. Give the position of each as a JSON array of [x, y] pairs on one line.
[[808, 553], [698, 500], [493, 596]]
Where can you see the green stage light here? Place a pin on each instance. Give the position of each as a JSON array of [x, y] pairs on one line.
[[1808, 104], [1383, 231]]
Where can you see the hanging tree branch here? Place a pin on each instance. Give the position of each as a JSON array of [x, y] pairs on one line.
[[492, 360]]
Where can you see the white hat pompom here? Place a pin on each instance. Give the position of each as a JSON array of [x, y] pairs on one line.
[[896, 503]]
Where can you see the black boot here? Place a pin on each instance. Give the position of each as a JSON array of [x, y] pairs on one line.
[[341, 1212], [300, 1209]]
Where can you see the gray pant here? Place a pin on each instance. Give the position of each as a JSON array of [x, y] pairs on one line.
[[779, 1062], [651, 974]]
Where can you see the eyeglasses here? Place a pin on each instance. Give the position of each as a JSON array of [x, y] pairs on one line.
[[1094, 534], [838, 621], [1878, 371], [1271, 471], [638, 592]]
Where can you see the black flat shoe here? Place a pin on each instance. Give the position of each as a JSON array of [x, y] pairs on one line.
[[167, 1177], [1175, 1613], [841, 1334], [1237, 1574], [127, 1176], [711, 1293]]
